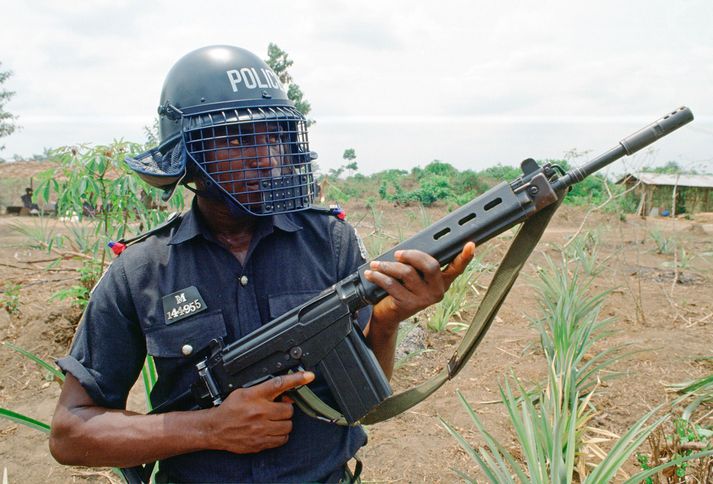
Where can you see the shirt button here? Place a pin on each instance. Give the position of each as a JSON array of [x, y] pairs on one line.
[[244, 281], [187, 350]]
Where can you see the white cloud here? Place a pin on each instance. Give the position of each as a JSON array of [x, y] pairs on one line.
[[366, 66]]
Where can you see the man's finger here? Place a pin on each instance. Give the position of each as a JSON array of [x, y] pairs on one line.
[[406, 274], [420, 260], [278, 411], [277, 428], [461, 261], [278, 385], [389, 284]]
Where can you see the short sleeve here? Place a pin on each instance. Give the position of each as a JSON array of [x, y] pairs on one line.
[[109, 349]]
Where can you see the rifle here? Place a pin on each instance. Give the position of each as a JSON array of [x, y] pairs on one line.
[[321, 332]]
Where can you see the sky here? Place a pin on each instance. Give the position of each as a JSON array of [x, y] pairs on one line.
[[472, 83]]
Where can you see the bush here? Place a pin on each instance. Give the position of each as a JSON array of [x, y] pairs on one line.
[[432, 189], [437, 167], [500, 172]]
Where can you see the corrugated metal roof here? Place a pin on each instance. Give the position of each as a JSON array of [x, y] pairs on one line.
[[663, 179]]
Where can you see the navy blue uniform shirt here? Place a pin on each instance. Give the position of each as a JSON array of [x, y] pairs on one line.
[[291, 258]]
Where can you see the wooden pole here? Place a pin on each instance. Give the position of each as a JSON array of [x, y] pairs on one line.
[[673, 205]]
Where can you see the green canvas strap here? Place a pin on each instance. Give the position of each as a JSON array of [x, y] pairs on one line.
[[522, 246]]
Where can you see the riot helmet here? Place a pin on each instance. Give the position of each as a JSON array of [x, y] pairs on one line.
[[226, 123]]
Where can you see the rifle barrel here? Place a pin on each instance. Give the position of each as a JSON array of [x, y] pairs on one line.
[[628, 146]]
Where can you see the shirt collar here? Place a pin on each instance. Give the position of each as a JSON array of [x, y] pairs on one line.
[[285, 222], [193, 225]]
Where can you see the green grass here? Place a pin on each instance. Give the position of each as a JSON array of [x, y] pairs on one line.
[[664, 245], [459, 298]]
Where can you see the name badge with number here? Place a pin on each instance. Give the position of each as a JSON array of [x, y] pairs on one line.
[[182, 304]]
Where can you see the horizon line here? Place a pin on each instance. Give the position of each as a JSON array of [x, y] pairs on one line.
[[377, 119]]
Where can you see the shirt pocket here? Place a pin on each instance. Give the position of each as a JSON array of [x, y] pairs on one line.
[[186, 338], [283, 302]]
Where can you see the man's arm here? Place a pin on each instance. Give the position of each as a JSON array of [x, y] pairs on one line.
[[414, 282], [250, 420]]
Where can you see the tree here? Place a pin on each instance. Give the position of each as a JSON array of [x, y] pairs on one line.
[[279, 61], [7, 120], [670, 168], [349, 156]]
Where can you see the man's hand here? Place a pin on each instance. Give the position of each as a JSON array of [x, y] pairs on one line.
[[253, 419], [414, 282], [249, 420]]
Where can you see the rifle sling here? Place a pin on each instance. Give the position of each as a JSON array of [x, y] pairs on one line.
[[522, 246]]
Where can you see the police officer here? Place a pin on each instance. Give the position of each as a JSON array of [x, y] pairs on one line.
[[250, 249]]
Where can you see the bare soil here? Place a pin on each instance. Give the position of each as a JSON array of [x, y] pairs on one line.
[[666, 316]]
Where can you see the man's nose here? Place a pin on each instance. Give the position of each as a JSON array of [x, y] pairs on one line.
[[261, 157]]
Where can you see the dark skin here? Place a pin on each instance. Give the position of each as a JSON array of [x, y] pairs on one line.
[[251, 419]]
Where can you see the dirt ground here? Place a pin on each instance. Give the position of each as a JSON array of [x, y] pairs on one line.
[[671, 323]]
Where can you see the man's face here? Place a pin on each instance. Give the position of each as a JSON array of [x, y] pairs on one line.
[[239, 156]]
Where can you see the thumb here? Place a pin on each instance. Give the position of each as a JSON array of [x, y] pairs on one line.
[[461, 261], [274, 387]]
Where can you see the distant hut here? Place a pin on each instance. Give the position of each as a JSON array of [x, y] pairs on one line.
[[657, 192]]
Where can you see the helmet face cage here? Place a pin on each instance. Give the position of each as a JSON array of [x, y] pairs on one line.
[[259, 157]]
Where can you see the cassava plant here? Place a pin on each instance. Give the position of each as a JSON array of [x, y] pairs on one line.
[[100, 200]]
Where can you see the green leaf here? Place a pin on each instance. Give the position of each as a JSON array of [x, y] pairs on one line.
[[496, 448], [149, 377], [637, 478], [58, 375], [24, 420], [694, 385], [624, 447]]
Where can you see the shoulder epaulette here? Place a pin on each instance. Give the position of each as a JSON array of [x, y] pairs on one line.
[[119, 246], [334, 210]]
